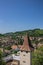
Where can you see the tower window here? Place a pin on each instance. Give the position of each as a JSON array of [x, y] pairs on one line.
[[24, 61], [24, 55], [26, 51]]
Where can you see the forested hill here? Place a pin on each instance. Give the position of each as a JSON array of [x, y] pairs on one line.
[[34, 32]]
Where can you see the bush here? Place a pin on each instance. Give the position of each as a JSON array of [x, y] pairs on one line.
[[37, 57], [1, 61]]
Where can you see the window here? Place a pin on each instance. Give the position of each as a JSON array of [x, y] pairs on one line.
[[24, 55], [24, 61], [26, 51]]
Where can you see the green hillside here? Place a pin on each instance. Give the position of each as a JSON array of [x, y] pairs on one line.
[[34, 32]]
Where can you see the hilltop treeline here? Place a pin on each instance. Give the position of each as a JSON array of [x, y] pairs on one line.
[[34, 33]]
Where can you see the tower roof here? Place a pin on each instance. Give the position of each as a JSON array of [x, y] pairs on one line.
[[26, 44]]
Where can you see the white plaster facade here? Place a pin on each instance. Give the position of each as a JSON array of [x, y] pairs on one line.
[[25, 58]]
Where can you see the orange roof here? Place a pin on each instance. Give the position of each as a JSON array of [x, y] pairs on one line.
[[14, 46]]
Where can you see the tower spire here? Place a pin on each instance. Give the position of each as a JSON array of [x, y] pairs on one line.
[[26, 45]]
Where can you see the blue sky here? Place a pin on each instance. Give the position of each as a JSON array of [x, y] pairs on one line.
[[18, 15]]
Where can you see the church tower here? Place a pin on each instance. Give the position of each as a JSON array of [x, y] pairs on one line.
[[25, 52]]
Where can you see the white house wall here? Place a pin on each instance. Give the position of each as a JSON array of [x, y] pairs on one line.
[[25, 58]]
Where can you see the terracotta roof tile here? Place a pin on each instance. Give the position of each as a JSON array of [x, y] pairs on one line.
[[14, 46], [26, 46]]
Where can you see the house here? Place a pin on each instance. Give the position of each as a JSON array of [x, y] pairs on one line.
[[14, 47], [23, 56]]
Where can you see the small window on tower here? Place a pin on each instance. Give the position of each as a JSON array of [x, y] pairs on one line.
[[24, 61], [26, 51], [24, 55]]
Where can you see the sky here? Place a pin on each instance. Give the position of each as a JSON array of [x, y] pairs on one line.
[[19, 15]]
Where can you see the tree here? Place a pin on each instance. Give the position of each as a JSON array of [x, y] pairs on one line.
[[37, 56], [36, 42], [1, 61]]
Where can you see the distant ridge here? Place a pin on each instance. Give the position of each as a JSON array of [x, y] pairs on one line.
[[33, 32]]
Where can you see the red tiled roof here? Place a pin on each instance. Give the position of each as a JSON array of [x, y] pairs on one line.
[[25, 46], [14, 46]]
